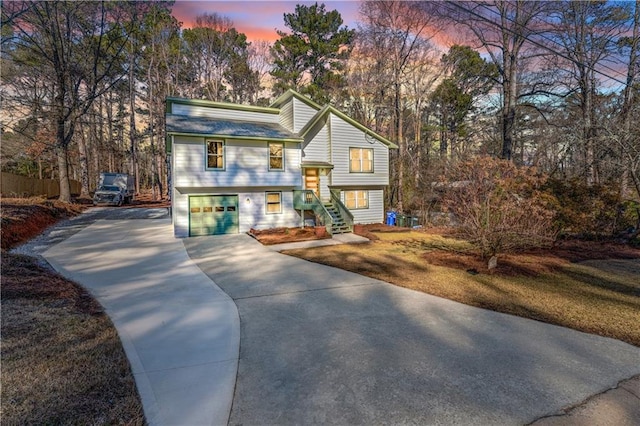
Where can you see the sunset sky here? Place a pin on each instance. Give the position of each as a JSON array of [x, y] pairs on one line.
[[258, 19]]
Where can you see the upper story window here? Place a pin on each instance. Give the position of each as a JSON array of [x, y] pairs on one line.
[[276, 156], [361, 160], [215, 155]]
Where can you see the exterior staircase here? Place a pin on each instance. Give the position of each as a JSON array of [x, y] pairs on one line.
[[339, 225], [330, 213]]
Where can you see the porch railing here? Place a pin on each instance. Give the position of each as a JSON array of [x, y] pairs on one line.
[[347, 216], [305, 199]]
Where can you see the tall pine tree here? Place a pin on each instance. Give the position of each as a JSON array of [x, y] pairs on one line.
[[311, 58]]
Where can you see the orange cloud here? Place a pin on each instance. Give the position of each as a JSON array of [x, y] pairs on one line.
[[257, 19]]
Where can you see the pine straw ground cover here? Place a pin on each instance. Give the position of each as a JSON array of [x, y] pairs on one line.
[[62, 360], [286, 235], [588, 286]]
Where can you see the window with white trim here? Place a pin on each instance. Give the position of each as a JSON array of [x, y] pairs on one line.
[[215, 155], [273, 202], [361, 160], [355, 200], [276, 156]]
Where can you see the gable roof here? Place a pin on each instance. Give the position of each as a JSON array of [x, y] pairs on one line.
[[286, 96], [328, 109], [238, 129], [204, 126]]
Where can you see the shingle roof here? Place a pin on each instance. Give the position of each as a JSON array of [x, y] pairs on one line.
[[183, 124]]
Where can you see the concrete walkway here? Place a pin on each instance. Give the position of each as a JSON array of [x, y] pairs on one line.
[[322, 345], [179, 330]]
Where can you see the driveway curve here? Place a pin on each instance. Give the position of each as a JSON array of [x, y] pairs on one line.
[[179, 330], [322, 345]]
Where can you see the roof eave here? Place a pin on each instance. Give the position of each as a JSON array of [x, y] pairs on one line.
[[314, 120], [221, 105], [236, 137], [282, 99]]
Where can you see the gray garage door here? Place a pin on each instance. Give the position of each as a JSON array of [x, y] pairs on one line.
[[213, 214]]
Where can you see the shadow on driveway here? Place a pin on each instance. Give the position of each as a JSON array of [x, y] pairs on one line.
[[322, 345]]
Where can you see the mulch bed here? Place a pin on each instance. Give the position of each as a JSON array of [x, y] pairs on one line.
[[286, 235]]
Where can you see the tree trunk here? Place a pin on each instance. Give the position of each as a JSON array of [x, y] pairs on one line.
[[627, 102], [63, 173], [100, 148], [84, 163], [132, 124], [589, 157], [509, 108], [401, 144]]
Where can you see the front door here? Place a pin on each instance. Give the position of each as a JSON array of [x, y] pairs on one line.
[[312, 180], [213, 214]]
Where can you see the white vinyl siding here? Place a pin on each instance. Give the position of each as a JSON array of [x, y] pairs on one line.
[[251, 211], [302, 114], [345, 136], [325, 193], [374, 213], [180, 213], [286, 116], [316, 146], [246, 164], [223, 114]]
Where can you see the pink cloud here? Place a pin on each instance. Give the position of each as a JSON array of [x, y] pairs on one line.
[[257, 19]]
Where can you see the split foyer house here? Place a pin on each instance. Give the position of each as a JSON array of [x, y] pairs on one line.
[[236, 167]]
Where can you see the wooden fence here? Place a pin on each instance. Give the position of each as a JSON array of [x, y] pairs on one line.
[[20, 186]]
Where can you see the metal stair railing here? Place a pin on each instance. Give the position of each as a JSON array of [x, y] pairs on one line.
[[344, 212], [306, 199]]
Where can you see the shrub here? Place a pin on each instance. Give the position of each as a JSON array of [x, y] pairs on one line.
[[592, 210], [499, 207]]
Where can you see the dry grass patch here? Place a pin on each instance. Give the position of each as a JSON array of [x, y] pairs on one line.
[[600, 297], [62, 361]]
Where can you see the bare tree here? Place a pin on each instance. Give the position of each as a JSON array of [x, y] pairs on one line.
[[631, 107], [504, 30], [588, 32], [259, 61], [395, 33], [78, 47]]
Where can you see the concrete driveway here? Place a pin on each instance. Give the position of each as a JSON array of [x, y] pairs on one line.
[[321, 345], [179, 330]]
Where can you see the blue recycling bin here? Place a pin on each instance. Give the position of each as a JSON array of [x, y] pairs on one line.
[[391, 218]]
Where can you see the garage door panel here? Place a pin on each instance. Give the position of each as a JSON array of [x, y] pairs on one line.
[[213, 214]]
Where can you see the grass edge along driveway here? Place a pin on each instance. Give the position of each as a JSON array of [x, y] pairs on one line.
[[595, 296]]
